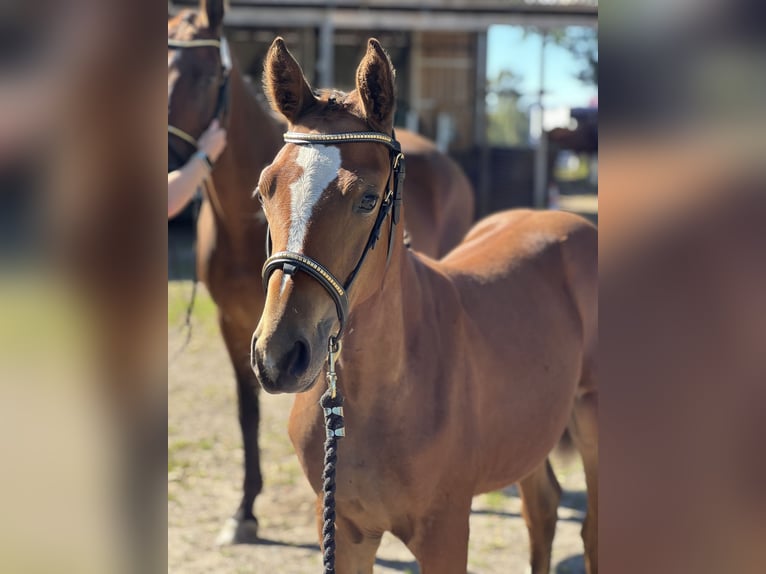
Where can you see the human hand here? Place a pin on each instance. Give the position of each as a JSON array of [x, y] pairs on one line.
[[213, 140]]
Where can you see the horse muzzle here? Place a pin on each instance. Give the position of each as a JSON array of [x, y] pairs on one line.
[[289, 363]]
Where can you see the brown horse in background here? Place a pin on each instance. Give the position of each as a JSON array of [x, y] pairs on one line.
[[459, 376], [231, 229]]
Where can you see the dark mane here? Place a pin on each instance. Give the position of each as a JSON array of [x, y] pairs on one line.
[[185, 25], [335, 101]]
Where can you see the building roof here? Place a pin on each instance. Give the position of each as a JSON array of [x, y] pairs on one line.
[[409, 14]]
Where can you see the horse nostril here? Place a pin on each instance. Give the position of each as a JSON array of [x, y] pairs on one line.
[[297, 360]]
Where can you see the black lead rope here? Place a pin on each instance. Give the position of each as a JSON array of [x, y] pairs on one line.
[[332, 406], [195, 280], [290, 263]]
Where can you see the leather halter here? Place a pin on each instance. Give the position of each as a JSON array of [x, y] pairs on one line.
[[222, 104], [290, 262]]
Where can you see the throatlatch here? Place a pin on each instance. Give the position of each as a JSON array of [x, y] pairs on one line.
[[290, 263]]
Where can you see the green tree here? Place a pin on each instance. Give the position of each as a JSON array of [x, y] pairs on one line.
[[507, 124], [581, 42]]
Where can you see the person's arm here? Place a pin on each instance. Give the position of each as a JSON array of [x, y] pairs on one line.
[[182, 183]]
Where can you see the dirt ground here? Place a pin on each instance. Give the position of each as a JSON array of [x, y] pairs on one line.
[[204, 477]]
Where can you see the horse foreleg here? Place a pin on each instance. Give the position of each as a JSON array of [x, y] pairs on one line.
[[242, 528], [540, 495], [440, 541], [354, 549]]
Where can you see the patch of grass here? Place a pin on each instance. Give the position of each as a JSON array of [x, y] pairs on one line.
[[178, 451], [213, 391], [495, 500], [206, 443], [41, 318], [179, 295], [287, 473], [495, 543], [176, 461], [477, 563]]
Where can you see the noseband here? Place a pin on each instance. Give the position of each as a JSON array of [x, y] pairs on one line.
[[290, 262], [222, 103]]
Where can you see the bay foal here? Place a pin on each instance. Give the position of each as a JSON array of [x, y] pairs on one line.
[[439, 199], [459, 375]]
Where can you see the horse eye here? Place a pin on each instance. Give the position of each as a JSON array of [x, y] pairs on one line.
[[258, 195], [368, 202]]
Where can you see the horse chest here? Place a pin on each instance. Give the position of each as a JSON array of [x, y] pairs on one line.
[[370, 474], [374, 482]]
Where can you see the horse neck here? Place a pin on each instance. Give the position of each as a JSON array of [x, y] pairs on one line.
[[253, 139], [379, 328]]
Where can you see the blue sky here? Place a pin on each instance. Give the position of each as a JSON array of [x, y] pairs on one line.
[[508, 49]]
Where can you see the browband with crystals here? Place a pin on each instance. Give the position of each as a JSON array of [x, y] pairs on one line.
[[375, 137]]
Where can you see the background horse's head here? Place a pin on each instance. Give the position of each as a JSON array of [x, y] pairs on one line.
[[198, 64], [321, 201]]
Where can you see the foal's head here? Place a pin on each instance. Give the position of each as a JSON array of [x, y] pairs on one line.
[[321, 201], [197, 68]]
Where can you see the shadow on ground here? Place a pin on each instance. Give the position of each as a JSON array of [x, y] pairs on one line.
[[572, 499], [572, 565], [401, 565], [409, 566], [504, 514], [270, 542]]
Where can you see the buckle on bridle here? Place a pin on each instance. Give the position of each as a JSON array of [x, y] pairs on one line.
[[333, 350], [399, 173]]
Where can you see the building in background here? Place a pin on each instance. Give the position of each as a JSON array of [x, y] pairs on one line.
[[439, 49]]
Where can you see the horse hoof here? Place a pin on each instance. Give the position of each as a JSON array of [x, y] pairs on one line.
[[238, 532]]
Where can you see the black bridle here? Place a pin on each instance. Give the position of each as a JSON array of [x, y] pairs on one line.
[[220, 113], [222, 101], [290, 262]]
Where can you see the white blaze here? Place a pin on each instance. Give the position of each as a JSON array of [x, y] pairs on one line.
[[320, 166]]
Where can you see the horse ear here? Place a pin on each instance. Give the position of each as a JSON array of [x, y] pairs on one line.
[[284, 84], [214, 11], [375, 82]]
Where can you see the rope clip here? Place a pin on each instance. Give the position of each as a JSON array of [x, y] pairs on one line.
[[333, 350]]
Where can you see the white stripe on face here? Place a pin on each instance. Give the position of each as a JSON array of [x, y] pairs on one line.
[[320, 165]]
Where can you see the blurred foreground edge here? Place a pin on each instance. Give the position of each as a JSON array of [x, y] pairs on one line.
[[683, 331]]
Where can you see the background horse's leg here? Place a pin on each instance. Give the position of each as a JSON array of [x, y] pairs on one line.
[[584, 430], [242, 528], [540, 495]]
